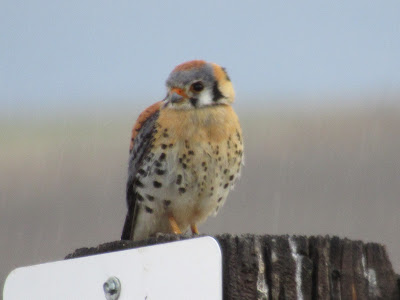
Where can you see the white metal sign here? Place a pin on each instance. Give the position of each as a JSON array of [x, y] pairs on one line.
[[190, 269]]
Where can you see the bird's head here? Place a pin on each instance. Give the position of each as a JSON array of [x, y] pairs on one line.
[[197, 84]]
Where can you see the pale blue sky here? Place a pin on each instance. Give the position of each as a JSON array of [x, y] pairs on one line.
[[101, 52]]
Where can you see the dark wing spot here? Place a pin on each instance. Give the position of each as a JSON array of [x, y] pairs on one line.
[[226, 185], [167, 203], [150, 197], [179, 179], [142, 172], [191, 152], [182, 190], [219, 199], [139, 183], [162, 156], [225, 171], [231, 177], [148, 209], [164, 146], [139, 197], [157, 184], [160, 172]]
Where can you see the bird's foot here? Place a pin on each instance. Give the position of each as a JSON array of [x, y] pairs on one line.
[[194, 229], [174, 225]]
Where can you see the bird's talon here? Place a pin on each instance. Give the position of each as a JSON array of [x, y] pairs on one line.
[[194, 229], [174, 225]]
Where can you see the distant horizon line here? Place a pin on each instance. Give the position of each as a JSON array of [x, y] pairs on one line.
[[125, 107]]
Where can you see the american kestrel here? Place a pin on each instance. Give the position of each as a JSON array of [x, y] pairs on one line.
[[185, 153]]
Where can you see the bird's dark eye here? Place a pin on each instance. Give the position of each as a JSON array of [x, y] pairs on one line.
[[197, 86]]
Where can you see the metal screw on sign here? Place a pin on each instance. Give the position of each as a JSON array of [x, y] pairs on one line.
[[112, 288]]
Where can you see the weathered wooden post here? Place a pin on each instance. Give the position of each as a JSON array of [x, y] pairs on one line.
[[292, 267]]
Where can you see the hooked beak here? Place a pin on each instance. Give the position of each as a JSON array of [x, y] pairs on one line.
[[177, 95]]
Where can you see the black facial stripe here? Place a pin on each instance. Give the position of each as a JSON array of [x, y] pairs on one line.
[[194, 101], [216, 92]]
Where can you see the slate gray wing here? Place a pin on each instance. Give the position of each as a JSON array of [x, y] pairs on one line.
[[141, 143]]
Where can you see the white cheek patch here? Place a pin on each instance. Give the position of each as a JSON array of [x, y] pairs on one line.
[[205, 98]]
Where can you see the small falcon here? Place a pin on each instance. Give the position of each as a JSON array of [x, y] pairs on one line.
[[185, 154]]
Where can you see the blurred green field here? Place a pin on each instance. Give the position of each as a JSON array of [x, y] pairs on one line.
[[317, 171]]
